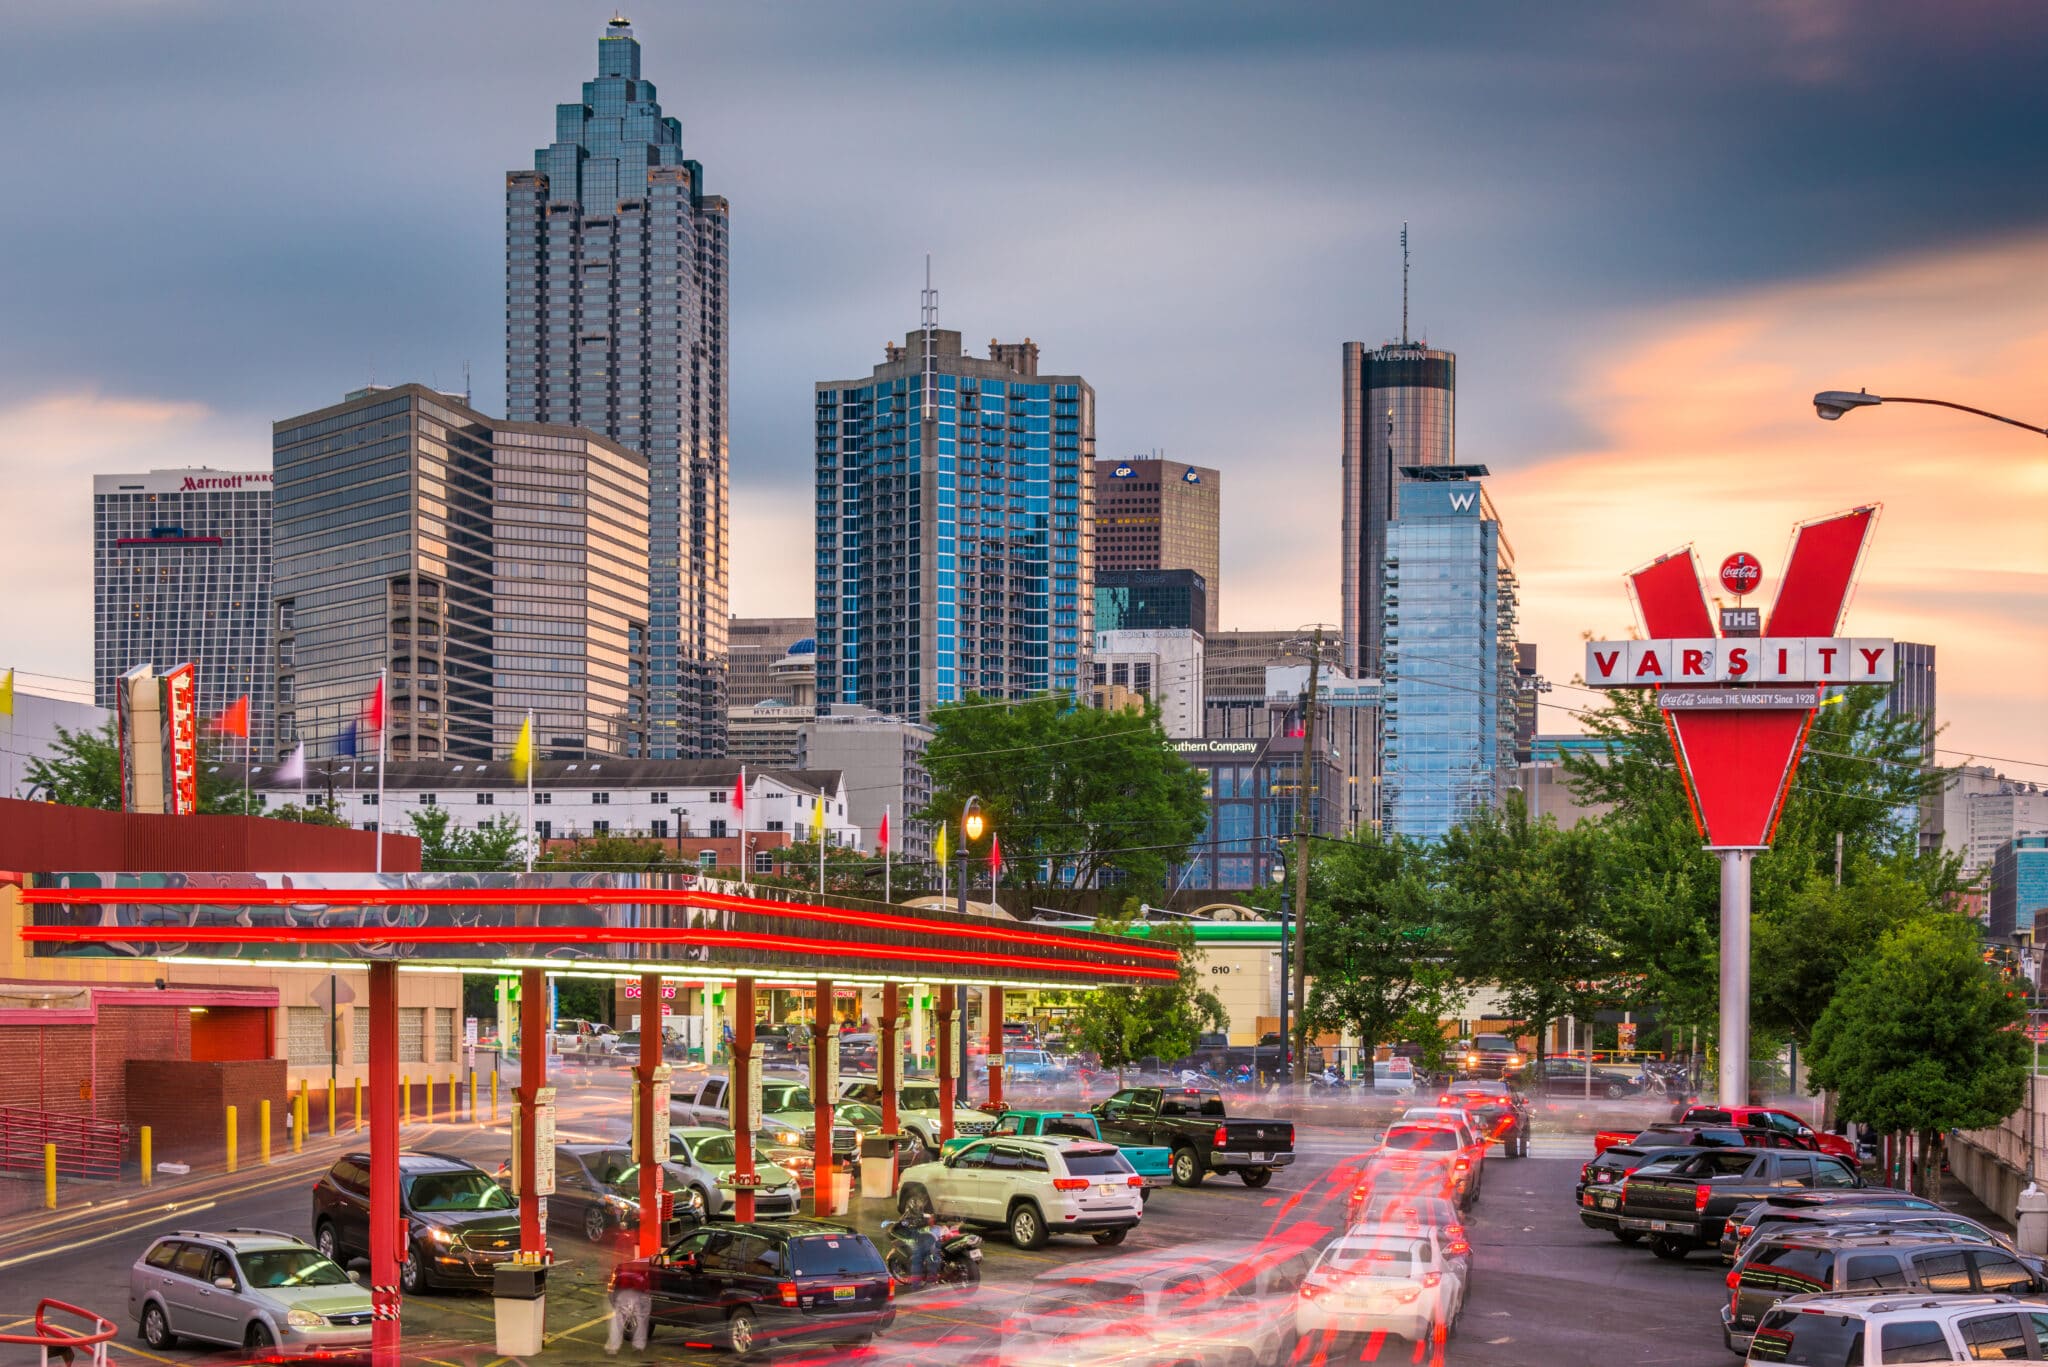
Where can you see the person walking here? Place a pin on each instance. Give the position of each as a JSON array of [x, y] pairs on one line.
[[632, 1302]]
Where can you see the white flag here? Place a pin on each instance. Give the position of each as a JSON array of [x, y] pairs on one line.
[[293, 770]]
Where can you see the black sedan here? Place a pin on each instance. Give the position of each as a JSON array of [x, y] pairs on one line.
[[1566, 1077]]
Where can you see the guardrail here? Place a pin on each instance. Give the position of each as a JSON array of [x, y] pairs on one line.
[[66, 1342], [85, 1147]]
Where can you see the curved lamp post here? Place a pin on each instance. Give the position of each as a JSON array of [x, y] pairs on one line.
[[1831, 404]]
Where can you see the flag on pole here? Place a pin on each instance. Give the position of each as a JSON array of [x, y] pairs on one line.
[[739, 791], [7, 695], [939, 846], [234, 718], [886, 889], [373, 710], [883, 839], [818, 817], [995, 857], [522, 752], [293, 770], [345, 744]]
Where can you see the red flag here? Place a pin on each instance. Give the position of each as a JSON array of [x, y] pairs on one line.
[[885, 828], [739, 792], [234, 718], [373, 710], [995, 855]]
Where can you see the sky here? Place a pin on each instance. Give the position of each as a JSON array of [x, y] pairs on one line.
[[1649, 230]]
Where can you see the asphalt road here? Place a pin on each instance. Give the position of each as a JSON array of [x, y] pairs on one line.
[[1546, 1290]]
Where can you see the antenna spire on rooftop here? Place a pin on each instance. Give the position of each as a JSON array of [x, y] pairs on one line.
[[1404, 284], [930, 302]]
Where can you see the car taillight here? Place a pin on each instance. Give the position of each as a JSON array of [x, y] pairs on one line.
[[1586, 1172], [1136, 1180], [1309, 1291], [1221, 1138], [1735, 1277], [892, 1288], [1070, 1184], [1432, 1278], [1700, 1194], [1744, 1231], [1459, 1248], [788, 1290], [1464, 1163], [1290, 1136]]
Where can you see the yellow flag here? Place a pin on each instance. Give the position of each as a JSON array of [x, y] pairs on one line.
[[818, 817], [522, 752], [7, 695], [939, 845]]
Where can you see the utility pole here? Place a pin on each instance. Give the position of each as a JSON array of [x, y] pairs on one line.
[[1304, 807]]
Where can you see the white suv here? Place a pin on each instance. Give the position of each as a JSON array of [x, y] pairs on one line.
[[1859, 1327], [1037, 1187], [917, 1112]]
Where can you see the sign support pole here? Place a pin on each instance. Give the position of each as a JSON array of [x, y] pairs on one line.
[[1733, 1071]]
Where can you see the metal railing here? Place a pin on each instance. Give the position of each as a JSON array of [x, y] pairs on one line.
[[65, 1342], [85, 1147]]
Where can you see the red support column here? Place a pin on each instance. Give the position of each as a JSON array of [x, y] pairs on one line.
[[387, 1225], [888, 1066], [533, 1078], [652, 1141], [992, 997], [947, 1044], [824, 1081], [739, 1090]]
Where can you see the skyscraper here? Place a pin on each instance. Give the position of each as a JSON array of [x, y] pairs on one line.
[[1157, 514], [1400, 410], [1449, 653], [181, 573], [616, 320], [495, 569], [758, 645], [1151, 600], [953, 541]]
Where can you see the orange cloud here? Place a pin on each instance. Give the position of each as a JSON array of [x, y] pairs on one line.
[[1707, 434]]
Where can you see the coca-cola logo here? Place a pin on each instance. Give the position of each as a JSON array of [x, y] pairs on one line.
[[1740, 573]]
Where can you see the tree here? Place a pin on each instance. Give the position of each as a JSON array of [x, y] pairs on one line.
[[312, 814], [83, 769], [1802, 948], [1923, 1038], [598, 852], [1378, 942], [1122, 1025], [1533, 915], [1091, 796], [490, 847]]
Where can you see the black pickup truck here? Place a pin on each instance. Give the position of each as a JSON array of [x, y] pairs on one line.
[[1684, 1207], [1191, 1122]]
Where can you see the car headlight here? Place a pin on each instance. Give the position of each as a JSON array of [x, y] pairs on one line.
[[621, 1203], [442, 1236], [788, 1137], [305, 1319]]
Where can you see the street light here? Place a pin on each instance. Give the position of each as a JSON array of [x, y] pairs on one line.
[[1280, 878], [972, 824], [679, 832], [1831, 404]]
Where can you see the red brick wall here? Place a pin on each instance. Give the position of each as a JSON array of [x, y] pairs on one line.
[[230, 1033], [185, 1105], [47, 1067]]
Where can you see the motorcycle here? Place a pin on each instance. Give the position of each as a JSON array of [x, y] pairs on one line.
[[959, 1256]]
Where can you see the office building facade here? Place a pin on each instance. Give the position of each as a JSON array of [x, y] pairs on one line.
[[880, 761], [1133, 668], [1252, 788], [757, 648], [1400, 411], [1151, 600], [1449, 614], [616, 320], [953, 541], [1158, 514], [493, 568], [2017, 887], [181, 575]]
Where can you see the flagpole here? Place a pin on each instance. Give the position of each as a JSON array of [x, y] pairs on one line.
[[529, 796], [382, 746], [885, 854], [820, 809], [746, 871], [247, 741]]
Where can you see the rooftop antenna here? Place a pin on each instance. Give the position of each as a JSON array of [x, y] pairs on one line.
[[1404, 284], [930, 300], [466, 399]]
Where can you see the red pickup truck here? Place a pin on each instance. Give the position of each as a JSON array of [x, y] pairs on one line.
[[1771, 1118]]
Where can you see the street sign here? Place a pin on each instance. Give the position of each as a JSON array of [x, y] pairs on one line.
[[544, 1143], [332, 991]]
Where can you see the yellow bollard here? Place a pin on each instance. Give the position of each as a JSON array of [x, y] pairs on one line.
[[50, 1176], [299, 1121], [429, 1117], [142, 1137], [232, 1164], [263, 1130], [472, 1096], [330, 1107], [404, 1100], [359, 1103], [494, 1098]]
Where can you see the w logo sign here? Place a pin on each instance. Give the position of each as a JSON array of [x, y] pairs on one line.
[[1462, 502]]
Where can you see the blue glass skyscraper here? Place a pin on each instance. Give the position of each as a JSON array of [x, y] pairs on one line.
[[1448, 737], [616, 320], [953, 551]]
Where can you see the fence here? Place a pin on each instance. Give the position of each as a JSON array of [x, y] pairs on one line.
[[85, 1147], [2017, 1141], [63, 1341]]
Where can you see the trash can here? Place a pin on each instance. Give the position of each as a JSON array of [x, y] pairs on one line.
[[519, 1295], [841, 1188], [877, 1167]]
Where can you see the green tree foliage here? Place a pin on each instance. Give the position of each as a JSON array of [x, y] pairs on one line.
[[312, 814], [84, 770], [618, 853], [1098, 794], [1922, 1038], [1378, 942], [492, 847], [1123, 1025], [1533, 917], [1801, 949]]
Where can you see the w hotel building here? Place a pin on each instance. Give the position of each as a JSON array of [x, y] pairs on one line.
[[181, 574]]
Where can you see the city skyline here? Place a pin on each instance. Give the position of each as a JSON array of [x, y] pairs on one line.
[[1673, 357]]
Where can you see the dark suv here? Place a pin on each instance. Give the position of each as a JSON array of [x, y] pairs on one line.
[[460, 1224], [1869, 1260], [745, 1286]]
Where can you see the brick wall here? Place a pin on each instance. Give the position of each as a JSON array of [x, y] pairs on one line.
[[48, 1067], [185, 1105]]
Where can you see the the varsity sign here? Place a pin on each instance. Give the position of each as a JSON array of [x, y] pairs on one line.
[[1714, 660]]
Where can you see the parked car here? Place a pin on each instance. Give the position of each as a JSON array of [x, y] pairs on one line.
[[246, 1287], [597, 1192], [1674, 1134], [1599, 1189], [1036, 1187], [459, 1222], [1566, 1077], [1832, 1219], [1032, 1068], [747, 1286], [1900, 1262], [1773, 1118], [1203, 1303], [584, 1041], [1899, 1326], [1498, 1111], [711, 1153], [1684, 1207], [1474, 1172], [785, 1107], [917, 1111], [1191, 1122], [1439, 1213], [1154, 1163], [1381, 1279], [1422, 1158], [1801, 1204], [627, 1049], [1490, 1055]]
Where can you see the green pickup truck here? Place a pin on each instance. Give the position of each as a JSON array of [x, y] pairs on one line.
[[1154, 1164]]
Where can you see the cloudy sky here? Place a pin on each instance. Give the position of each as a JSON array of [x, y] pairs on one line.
[[1650, 230]]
